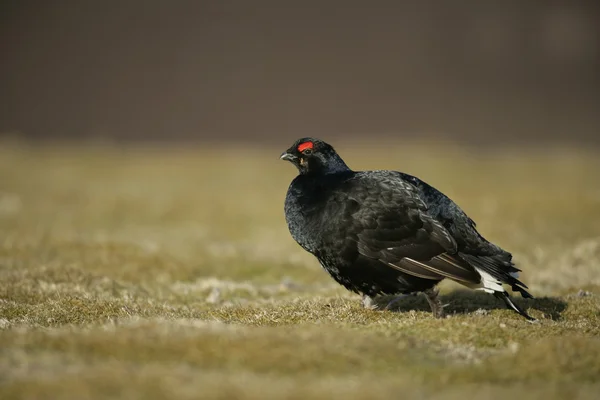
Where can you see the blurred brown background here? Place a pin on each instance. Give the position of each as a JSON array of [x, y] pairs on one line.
[[466, 71]]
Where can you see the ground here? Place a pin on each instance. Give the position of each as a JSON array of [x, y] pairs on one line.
[[168, 272]]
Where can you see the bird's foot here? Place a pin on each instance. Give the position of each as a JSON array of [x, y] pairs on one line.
[[434, 302], [369, 303]]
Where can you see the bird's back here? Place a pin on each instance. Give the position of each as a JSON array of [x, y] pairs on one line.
[[458, 223]]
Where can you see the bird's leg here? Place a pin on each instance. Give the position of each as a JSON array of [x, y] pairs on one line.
[[368, 302], [434, 302]]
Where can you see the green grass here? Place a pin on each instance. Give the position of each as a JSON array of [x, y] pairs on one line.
[[169, 273]]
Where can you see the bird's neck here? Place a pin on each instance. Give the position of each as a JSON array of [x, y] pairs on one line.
[[334, 165], [317, 186]]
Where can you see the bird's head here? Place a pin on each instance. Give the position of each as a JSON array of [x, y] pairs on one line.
[[314, 156]]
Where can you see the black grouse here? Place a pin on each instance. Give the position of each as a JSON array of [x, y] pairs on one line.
[[387, 232]]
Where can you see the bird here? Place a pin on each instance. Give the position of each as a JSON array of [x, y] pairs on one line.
[[385, 232]]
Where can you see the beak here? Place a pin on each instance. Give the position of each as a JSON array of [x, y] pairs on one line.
[[288, 157]]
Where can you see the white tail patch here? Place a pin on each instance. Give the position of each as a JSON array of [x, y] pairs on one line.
[[488, 283], [514, 274]]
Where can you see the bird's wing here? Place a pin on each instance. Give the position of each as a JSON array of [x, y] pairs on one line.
[[389, 222], [473, 248]]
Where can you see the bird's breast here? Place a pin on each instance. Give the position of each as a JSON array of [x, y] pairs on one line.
[[304, 218]]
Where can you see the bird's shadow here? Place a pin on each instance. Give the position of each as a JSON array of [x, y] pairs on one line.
[[468, 301]]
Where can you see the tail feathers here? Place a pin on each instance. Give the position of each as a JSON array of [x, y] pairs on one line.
[[516, 288], [509, 304], [501, 268]]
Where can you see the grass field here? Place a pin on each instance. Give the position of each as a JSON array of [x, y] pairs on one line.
[[147, 273]]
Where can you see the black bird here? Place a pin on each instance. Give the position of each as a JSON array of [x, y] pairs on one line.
[[387, 232]]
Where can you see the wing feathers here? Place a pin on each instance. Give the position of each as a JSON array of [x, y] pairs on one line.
[[398, 231], [455, 269], [444, 269], [413, 268]]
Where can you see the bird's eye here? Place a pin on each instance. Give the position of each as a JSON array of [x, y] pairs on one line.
[[307, 152]]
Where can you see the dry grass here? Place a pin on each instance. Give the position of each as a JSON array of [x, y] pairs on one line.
[[139, 273]]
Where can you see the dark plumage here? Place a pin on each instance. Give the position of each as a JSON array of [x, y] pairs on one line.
[[386, 232]]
